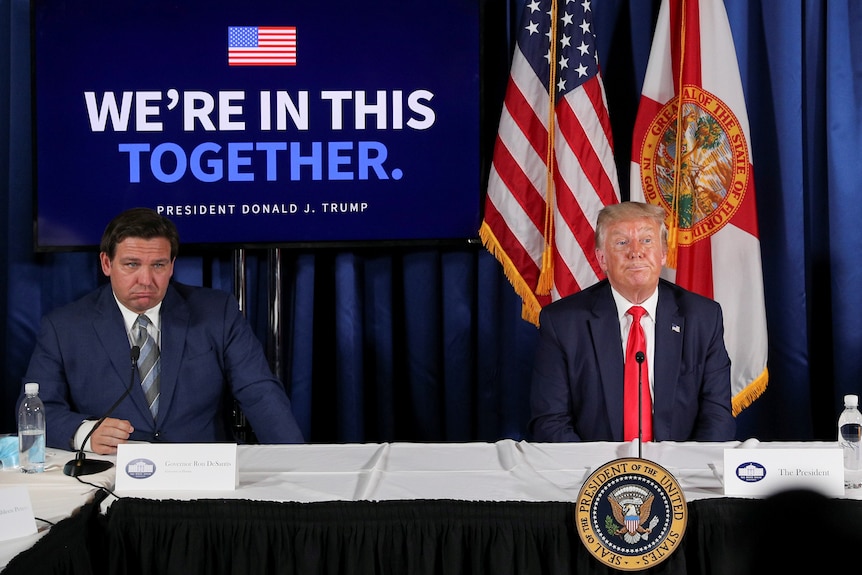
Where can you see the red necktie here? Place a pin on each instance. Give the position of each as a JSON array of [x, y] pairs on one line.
[[636, 343]]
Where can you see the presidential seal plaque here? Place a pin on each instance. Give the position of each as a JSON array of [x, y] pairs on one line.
[[631, 514]]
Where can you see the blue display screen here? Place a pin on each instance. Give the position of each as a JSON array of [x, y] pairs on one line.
[[263, 122]]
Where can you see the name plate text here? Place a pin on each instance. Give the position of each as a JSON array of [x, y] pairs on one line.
[[176, 467], [763, 472]]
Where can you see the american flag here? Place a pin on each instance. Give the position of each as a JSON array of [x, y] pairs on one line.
[[553, 165], [261, 45]]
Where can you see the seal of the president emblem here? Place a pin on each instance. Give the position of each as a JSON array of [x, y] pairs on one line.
[[631, 514]]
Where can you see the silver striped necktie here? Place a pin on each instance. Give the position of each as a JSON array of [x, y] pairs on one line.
[[149, 365]]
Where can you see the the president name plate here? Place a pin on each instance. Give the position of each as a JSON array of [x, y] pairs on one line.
[[176, 467], [763, 472]]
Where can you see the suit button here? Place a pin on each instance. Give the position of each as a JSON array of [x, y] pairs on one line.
[[157, 436]]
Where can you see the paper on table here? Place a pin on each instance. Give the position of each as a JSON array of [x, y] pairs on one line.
[[16, 513]]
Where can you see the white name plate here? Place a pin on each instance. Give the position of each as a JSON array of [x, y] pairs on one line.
[[763, 472], [16, 513], [176, 467]]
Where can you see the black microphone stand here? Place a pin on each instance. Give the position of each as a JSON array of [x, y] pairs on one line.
[[639, 357], [83, 466]]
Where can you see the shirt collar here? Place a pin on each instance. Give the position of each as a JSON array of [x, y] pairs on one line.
[[130, 316], [623, 305]]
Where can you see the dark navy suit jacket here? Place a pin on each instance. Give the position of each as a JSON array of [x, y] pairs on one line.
[[577, 383], [208, 354]]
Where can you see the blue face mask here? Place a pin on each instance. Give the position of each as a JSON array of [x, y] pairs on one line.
[[9, 452]]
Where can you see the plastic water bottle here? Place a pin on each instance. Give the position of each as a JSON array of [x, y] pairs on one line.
[[31, 431], [850, 440]]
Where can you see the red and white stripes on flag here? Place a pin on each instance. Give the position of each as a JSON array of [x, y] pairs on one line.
[[553, 165], [261, 46], [691, 154]]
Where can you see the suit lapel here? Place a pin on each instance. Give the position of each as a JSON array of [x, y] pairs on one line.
[[174, 326], [111, 333], [605, 331], [669, 330]]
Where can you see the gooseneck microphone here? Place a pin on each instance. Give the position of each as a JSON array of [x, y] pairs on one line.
[[83, 466], [639, 357]]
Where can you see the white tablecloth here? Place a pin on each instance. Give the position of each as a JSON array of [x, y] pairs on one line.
[[503, 471], [506, 470]]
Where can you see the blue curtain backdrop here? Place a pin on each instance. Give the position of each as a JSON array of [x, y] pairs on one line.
[[427, 344]]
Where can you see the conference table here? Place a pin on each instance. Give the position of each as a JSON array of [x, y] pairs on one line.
[[498, 507]]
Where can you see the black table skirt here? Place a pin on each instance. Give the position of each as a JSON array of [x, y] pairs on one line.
[[791, 533]]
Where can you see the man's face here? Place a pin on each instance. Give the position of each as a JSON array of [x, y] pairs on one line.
[[632, 256], [139, 272]]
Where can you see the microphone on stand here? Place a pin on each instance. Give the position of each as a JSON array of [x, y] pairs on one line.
[[639, 357], [83, 466]]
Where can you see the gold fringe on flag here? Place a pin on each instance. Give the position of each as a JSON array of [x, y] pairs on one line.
[[751, 392], [530, 307]]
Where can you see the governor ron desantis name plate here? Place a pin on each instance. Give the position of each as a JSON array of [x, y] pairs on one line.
[[176, 467]]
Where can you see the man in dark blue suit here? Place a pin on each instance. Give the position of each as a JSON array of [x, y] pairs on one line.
[[208, 353], [577, 383]]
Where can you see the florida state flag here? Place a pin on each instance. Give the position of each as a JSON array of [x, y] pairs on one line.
[[691, 154]]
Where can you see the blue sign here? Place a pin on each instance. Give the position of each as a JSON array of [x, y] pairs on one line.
[[263, 122]]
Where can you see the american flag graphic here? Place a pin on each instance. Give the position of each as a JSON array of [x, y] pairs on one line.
[[261, 45], [553, 165]]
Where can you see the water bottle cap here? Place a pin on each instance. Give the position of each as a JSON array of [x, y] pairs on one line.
[[31, 388], [851, 400]]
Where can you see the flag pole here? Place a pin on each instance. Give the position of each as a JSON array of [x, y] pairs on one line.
[[546, 274], [673, 228]]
